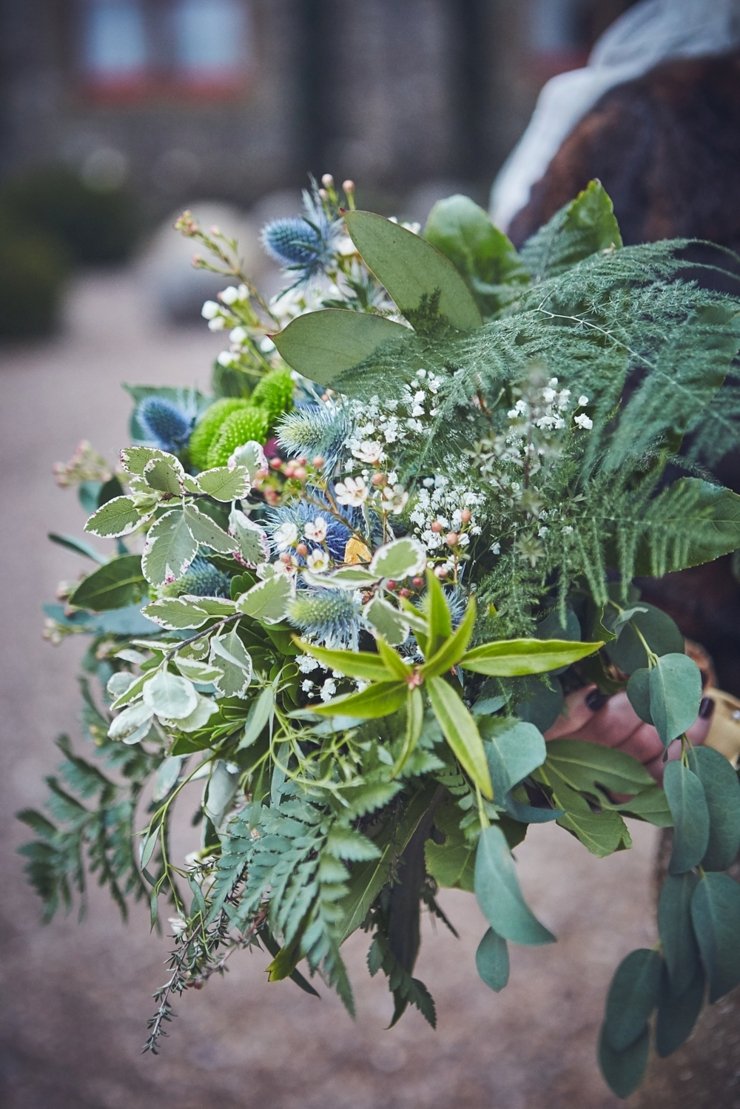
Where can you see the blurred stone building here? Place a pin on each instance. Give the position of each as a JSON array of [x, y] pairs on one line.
[[233, 98]]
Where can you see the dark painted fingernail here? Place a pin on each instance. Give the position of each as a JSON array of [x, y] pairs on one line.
[[706, 708], [596, 700]]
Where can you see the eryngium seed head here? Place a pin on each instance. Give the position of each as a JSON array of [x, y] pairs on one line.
[[165, 423], [202, 579], [294, 243], [329, 615]]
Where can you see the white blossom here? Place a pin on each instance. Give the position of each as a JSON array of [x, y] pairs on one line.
[[583, 421], [286, 535], [315, 529], [353, 492]]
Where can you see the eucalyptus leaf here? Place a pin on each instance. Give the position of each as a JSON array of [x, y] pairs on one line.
[[79, 546], [498, 893], [638, 692], [650, 626], [722, 793], [492, 960], [715, 914], [678, 1013], [676, 931], [324, 345], [623, 1071], [675, 695], [633, 995], [688, 804], [513, 749], [415, 274]]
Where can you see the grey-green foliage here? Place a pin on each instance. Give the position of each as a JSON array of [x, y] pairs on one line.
[[89, 822]]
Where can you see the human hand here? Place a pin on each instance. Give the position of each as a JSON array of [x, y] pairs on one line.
[[611, 721]]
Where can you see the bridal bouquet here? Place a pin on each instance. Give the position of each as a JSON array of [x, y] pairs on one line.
[[350, 588]]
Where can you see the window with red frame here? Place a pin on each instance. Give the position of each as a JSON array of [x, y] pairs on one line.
[[135, 48]]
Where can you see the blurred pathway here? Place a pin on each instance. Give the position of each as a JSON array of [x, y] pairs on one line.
[[76, 996]]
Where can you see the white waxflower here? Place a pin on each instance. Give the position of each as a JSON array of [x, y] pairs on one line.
[[286, 535], [395, 498], [582, 401], [226, 358], [317, 561], [583, 421], [307, 685], [230, 295], [238, 335], [369, 451], [218, 323], [352, 492], [210, 310], [315, 529]]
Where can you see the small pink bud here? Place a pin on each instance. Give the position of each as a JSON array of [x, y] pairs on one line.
[[436, 527], [466, 515], [452, 539]]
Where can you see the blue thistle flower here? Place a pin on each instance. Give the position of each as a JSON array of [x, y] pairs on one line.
[[303, 243], [165, 423], [202, 579], [315, 429], [328, 615], [301, 513]]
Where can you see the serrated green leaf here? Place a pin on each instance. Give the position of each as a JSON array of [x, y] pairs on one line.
[[722, 793], [324, 345], [414, 273], [623, 1071], [267, 601], [170, 696], [483, 255], [509, 658], [401, 558], [649, 804], [169, 548], [715, 914], [461, 732], [498, 894], [601, 833], [115, 518], [579, 229], [492, 960], [676, 931], [165, 474], [688, 804], [351, 845], [675, 695], [633, 994], [175, 613], [251, 540], [260, 713], [119, 582], [225, 483], [234, 662], [206, 531], [711, 530], [386, 620]]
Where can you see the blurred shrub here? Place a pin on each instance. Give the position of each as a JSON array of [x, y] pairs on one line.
[[33, 267], [95, 225]]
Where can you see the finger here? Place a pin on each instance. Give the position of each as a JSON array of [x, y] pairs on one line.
[[644, 744], [699, 730], [656, 766], [612, 724], [575, 714]]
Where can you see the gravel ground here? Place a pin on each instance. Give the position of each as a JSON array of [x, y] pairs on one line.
[[76, 995]]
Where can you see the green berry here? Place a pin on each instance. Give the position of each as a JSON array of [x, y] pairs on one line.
[[246, 424], [208, 427]]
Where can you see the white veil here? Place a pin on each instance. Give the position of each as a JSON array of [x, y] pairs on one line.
[[653, 31]]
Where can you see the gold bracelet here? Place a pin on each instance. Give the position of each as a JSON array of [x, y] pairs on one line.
[[724, 730]]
